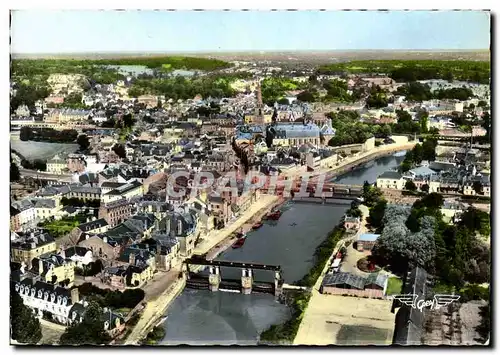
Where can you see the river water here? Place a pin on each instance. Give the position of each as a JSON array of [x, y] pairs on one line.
[[40, 150], [199, 317]]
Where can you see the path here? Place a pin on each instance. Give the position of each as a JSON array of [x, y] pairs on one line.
[[325, 314]]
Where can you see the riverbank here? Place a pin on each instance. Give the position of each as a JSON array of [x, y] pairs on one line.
[[216, 240], [246, 227], [155, 309]]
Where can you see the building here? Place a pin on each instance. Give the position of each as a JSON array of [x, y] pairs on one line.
[[126, 191], [27, 246], [391, 180], [296, 134], [46, 208], [56, 165], [352, 224], [27, 214], [366, 241], [182, 224], [15, 223], [149, 100], [53, 268], [81, 256], [347, 284], [42, 297], [116, 211], [85, 193], [102, 246]]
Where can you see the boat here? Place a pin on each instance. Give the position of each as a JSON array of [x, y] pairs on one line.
[[257, 225], [240, 235], [239, 243], [274, 215]]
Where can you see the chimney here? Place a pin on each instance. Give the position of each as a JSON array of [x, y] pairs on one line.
[[179, 227], [88, 219], [75, 296], [167, 225], [105, 239], [63, 253], [40, 266], [94, 218], [131, 259], [32, 234]]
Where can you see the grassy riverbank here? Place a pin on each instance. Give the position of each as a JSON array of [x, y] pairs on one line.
[[284, 334]]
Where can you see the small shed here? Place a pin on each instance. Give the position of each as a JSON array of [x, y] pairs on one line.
[[366, 241]]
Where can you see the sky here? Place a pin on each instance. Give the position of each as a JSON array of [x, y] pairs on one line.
[[84, 31]]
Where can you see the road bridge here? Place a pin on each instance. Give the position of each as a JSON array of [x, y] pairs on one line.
[[246, 284], [325, 201], [41, 175]]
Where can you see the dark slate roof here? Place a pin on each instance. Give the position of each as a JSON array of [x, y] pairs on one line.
[[394, 175], [341, 278], [42, 289], [76, 250], [410, 321], [125, 188], [111, 184], [92, 225], [170, 224], [27, 242]]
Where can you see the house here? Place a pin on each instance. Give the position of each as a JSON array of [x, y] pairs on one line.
[[366, 241], [45, 208], [53, 268], [347, 284], [182, 224], [79, 255], [126, 191], [220, 209], [115, 212], [94, 226], [352, 223], [296, 134], [102, 246], [15, 223], [390, 180], [27, 213], [27, 246], [56, 165], [166, 249], [42, 297], [85, 193], [121, 277]]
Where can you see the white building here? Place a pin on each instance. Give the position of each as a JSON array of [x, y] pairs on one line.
[[391, 180]]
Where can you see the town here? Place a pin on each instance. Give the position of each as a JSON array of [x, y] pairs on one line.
[[140, 186]]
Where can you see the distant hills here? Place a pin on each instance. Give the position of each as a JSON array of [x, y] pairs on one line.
[[284, 56]]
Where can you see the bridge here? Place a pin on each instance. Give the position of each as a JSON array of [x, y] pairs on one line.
[[58, 178], [333, 200], [246, 284]]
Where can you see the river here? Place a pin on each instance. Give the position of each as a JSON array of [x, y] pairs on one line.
[[371, 170], [199, 317], [40, 150]]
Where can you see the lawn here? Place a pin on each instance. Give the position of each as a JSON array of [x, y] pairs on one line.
[[394, 286], [362, 335], [62, 227]]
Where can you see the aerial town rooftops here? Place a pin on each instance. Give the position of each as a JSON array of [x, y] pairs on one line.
[[31, 240]]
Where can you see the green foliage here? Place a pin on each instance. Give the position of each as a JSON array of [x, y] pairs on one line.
[[24, 326], [36, 164], [176, 88], [14, 172], [475, 220], [274, 88], [410, 185], [337, 91], [154, 336], [484, 328], [377, 98], [308, 96], [119, 149], [371, 195], [415, 91], [112, 299], [59, 228], [27, 94], [394, 286], [349, 130], [90, 331], [377, 214], [461, 94], [354, 212], [76, 202], [413, 70], [83, 141], [285, 333], [48, 135], [73, 100]]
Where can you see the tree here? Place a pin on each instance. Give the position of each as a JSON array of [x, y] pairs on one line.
[[26, 134], [410, 185], [83, 141], [429, 150], [14, 172], [90, 331], [377, 214], [119, 149], [25, 327], [487, 124], [424, 188], [128, 120], [423, 119]]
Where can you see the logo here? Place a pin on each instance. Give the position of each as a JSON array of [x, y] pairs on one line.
[[436, 303]]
